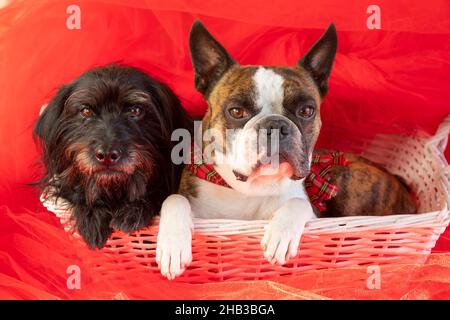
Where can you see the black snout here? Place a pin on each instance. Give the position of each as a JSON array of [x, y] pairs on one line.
[[281, 125], [107, 156]]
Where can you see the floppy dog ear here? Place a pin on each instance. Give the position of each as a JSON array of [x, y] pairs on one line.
[[209, 58], [318, 61], [46, 124]]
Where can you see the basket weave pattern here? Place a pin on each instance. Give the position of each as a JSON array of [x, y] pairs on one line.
[[230, 249]]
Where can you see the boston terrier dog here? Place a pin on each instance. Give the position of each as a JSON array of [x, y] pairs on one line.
[[237, 183]]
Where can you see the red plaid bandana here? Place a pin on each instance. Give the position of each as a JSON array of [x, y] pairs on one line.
[[204, 170], [317, 183]]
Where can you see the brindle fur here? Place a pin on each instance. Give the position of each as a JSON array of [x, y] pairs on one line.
[[364, 187], [188, 187]]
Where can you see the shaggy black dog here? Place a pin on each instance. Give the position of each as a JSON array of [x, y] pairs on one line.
[[106, 145]]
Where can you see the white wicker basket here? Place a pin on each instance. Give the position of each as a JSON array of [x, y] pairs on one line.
[[230, 250]]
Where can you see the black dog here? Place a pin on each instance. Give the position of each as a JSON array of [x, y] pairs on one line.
[[106, 144]]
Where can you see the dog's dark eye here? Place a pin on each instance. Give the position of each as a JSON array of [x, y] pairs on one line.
[[238, 113], [135, 112], [86, 112], [306, 111]]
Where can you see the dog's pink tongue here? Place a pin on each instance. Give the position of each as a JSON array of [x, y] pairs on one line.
[[268, 173]]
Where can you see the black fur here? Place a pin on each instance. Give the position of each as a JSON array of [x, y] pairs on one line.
[[124, 195]]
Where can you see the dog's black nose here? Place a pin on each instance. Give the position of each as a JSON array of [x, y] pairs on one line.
[[107, 157], [277, 124]]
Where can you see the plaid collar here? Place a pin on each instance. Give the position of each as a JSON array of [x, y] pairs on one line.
[[317, 184]]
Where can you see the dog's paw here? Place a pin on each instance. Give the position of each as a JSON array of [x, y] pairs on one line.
[[129, 223], [174, 247], [174, 253], [95, 236], [131, 218], [282, 235], [93, 225]]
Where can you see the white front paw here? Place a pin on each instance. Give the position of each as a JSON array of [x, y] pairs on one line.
[[174, 247], [174, 253], [282, 236]]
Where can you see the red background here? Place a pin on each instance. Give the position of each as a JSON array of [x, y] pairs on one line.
[[391, 80]]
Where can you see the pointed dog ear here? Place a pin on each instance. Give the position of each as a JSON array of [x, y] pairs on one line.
[[318, 61], [47, 122], [209, 58]]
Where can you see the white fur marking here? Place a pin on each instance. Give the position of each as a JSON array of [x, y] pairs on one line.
[[269, 91]]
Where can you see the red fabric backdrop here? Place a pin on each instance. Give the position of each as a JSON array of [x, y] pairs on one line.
[[390, 80]]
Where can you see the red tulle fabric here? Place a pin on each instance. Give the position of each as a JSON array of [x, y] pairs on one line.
[[390, 80]]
